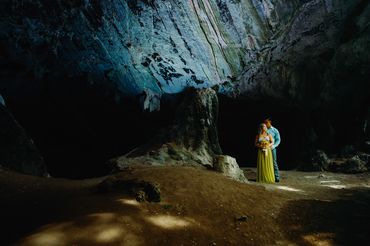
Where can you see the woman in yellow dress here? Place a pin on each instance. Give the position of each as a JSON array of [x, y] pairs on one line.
[[265, 166]]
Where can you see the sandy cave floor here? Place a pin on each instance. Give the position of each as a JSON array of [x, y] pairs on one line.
[[198, 208]]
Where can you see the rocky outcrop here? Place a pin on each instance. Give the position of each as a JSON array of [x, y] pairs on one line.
[[229, 167], [349, 165], [135, 47], [296, 51], [191, 140], [350, 161], [307, 59], [318, 66], [318, 162], [17, 150]]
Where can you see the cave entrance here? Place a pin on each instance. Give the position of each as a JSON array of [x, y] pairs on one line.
[[238, 123], [78, 127]]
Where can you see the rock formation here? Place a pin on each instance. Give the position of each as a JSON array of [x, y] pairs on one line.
[[136, 46], [318, 65], [312, 55], [192, 139]]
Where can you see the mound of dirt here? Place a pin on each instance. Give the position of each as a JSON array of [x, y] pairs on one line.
[[197, 207]]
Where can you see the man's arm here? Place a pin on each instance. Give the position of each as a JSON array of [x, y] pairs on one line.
[[271, 141], [277, 138], [256, 142]]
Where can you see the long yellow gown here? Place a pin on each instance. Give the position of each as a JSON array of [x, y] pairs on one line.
[[265, 167]]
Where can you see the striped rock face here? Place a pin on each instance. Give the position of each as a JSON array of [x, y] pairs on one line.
[[153, 47], [148, 46]]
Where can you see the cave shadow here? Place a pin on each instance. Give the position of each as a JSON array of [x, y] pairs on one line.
[[78, 126], [344, 221], [57, 217], [238, 123], [303, 130]]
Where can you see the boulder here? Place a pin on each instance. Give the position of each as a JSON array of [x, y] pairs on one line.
[[319, 161], [355, 164], [364, 157], [228, 166], [336, 164]]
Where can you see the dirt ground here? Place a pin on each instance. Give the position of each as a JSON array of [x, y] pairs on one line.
[[198, 207]]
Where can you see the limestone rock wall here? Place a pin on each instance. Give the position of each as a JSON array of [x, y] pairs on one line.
[[134, 47], [291, 49], [321, 57]]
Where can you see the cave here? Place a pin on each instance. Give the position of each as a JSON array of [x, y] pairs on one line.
[[140, 122], [78, 135], [238, 126], [304, 130]]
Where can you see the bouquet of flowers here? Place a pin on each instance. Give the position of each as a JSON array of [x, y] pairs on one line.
[[264, 146]]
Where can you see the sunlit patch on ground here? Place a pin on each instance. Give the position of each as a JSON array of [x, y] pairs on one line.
[[169, 222], [316, 176], [320, 239], [310, 177], [329, 181], [287, 188], [102, 216], [109, 234], [93, 229], [47, 238], [131, 202], [336, 186]]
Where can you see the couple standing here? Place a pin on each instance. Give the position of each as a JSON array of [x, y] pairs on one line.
[[267, 140]]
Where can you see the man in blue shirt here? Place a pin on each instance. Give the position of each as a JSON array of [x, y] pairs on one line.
[[276, 136]]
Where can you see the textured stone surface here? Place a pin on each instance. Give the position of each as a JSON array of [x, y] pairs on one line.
[[316, 58], [319, 162], [286, 49], [2, 101], [192, 138], [133, 47], [229, 167], [319, 65], [353, 165]]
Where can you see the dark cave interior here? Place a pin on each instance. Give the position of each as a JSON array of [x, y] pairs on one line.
[[78, 128], [133, 122], [67, 90]]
